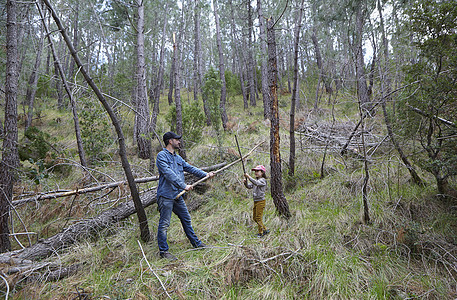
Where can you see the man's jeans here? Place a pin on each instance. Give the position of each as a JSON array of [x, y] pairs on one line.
[[166, 206]]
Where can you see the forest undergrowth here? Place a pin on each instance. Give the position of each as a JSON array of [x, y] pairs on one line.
[[324, 251]]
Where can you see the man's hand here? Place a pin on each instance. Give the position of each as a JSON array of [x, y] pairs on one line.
[[211, 174], [189, 188]]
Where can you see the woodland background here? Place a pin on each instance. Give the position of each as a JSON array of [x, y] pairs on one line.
[[354, 101]]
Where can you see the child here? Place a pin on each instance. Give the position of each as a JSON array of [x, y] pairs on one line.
[[259, 185]]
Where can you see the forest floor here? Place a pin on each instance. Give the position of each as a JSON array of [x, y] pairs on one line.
[[324, 251]]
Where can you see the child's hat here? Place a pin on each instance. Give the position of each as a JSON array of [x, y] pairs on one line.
[[259, 168]]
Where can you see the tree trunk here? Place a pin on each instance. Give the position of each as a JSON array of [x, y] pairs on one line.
[[75, 39], [199, 56], [362, 88], [10, 157], [179, 125], [32, 84], [320, 63], [143, 221], [81, 153], [263, 62], [159, 79], [243, 88], [142, 106], [172, 82], [221, 69], [250, 68], [294, 91], [275, 156], [238, 54], [386, 90], [58, 82]]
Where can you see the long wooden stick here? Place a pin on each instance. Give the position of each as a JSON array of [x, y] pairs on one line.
[[239, 151], [221, 169]]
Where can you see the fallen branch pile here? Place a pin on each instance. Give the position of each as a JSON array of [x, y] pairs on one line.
[[336, 136]]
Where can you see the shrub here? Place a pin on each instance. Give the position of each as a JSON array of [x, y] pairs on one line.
[[193, 120], [95, 130]]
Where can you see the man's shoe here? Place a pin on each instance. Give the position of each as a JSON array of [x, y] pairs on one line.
[[168, 255], [203, 245], [265, 232], [259, 235]]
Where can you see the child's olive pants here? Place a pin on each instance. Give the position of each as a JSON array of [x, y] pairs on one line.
[[257, 210]]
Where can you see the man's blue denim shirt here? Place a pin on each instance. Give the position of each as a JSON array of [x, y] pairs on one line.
[[171, 169]]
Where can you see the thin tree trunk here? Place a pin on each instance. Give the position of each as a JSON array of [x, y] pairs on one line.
[[243, 88], [32, 84], [197, 11], [58, 82], [237, 55], [250, 68], [275, 156], [263, 63], [366, 214], [200, 70], [10, 156], [388, 97], [172, 82], [142, 106], [362, 88], [179, 125], [294, 91], [75, 39], [159, 80], [320, 63], [221, 69], [143, 221], [81, 153]]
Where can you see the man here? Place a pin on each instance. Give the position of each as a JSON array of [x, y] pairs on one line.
[[171, 168]]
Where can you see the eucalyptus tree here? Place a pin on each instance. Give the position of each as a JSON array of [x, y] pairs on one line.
[[250, 59], [33, 79], [198, 61], [221, 68], [238, 63], [160, 73], [177, 81], [298, 25], [142, 105], [277, 192], [263, 61], [10, 157], [75, 36], [386, 94], [361, 13]]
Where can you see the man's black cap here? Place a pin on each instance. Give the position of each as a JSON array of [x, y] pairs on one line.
[[170, 135]]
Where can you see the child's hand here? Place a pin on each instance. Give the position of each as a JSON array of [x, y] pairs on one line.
[[246, 175]]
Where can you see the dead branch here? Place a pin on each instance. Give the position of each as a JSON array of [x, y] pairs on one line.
[[153, 272], [80, 191], [417, 110]]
